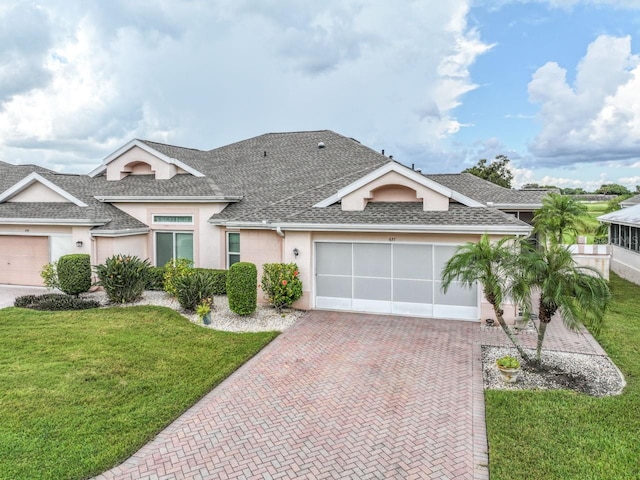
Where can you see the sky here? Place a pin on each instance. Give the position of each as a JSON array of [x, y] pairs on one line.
[[554, 85]]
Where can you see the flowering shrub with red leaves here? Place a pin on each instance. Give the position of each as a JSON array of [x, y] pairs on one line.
[[281, 284]]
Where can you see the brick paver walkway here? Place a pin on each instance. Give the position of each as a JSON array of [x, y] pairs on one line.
[[336, 396]]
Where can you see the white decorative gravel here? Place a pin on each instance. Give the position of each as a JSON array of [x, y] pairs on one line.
[[264, 319], [594, 375]]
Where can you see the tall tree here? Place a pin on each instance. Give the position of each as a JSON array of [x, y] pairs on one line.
[[558, 216], [613, 189], [579, 294], [490, 264], [496, 172]]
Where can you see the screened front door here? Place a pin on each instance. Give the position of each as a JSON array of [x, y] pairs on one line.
[[395, 278]]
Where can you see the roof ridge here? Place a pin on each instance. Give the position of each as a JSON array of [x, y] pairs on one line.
[[169, 145]]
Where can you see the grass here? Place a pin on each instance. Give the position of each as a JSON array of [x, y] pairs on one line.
[[82, 391], [562, 435]]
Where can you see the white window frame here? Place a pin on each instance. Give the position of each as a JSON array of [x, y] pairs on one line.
[[155, 222], [229, 253]]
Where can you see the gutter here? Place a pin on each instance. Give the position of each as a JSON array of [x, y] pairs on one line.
[[463, 229], [83, 222], [120, 233]]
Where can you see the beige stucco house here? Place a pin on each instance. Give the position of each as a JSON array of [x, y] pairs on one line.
[[368, 233]]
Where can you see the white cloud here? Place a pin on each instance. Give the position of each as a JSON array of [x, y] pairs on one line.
[[598, 117], [204, 74]]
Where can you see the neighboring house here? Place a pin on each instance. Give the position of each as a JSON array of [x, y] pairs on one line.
[[630, 202], [624, 230], [367, 233]]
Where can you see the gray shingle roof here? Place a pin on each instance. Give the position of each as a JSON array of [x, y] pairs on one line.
[[625, 216], [485, 191], [280, 176]]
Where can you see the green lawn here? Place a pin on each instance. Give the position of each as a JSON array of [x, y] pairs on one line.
[[81, 391], [562, 435]]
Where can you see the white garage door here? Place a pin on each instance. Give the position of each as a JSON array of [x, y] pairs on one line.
[[393, 278]]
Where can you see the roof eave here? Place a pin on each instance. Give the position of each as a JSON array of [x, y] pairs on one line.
[[166, 198], [120, 233], [463, 229], [55, 221]]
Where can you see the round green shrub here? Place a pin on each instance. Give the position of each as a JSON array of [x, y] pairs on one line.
[[242, 284], [123, 277], [74, 273]]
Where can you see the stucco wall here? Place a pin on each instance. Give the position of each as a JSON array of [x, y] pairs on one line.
[[38, 192], [260, 247], [357, 200], [106, 247], [209, 246], [626, 264]]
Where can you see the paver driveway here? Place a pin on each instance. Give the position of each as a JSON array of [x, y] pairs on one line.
[[336, 396]]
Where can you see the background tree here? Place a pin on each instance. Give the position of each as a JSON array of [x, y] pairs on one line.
[[612, 189], [490, 264], [579, 294], [496, 172], [574, 191], [558, 216]]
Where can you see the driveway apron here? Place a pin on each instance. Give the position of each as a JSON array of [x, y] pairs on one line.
[[337, 395]]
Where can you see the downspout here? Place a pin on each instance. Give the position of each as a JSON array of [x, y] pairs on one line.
[[281, 234]]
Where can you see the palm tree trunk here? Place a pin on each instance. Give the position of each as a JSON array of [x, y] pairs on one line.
[[499, 315], [541, 331]]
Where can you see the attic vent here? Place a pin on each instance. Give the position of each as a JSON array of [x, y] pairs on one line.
[[320, 144]]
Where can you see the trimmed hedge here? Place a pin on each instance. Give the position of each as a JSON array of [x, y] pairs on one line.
[[54, 302], [192, 289], [218, 277], [242, 288], [155, 278], [123, 277], [74, 273]]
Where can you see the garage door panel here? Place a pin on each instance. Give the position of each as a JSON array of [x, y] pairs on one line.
[[442, 254], [333, 258], [363, 266], [372, 288], [408, 308], [332, 286], [413, 291], [413, 262], [457, 294], [373, 306]]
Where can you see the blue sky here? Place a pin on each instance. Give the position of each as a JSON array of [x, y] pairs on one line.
[[555, 85]]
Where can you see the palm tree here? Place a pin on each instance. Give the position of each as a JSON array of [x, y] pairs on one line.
[[559, 214], [579, 294], [490, 264]]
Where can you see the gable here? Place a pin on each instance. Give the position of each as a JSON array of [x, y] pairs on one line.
[[138, 158], [38, 192], [396, 183], [394, 187], [36, 188]]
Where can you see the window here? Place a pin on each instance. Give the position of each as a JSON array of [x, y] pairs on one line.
[[180, 219], [170, 245], [233, 248]]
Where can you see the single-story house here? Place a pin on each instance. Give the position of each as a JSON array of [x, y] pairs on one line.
[[368, 233], [624, 232]]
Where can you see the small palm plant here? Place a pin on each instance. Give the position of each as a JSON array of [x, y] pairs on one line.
[[578, 293], [491, 264]]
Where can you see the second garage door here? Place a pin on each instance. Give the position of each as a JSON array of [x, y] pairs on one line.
[[22, 259], [395, 278]]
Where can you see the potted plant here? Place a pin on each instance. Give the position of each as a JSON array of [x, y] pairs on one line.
[[509, 368], [203, 310]]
